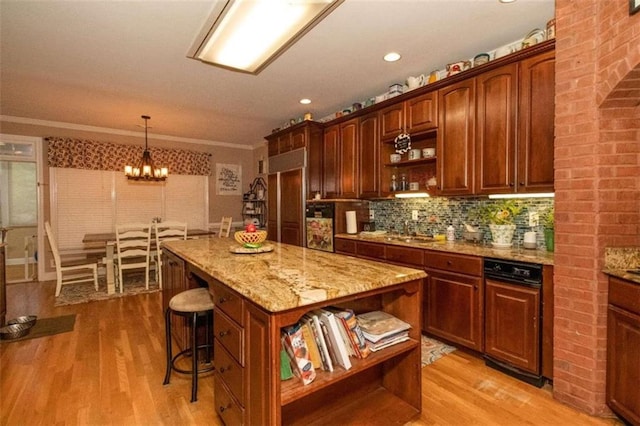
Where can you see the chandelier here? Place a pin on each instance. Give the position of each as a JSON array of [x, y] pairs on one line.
[[146, 170]]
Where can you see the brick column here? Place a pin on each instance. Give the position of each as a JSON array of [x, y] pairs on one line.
[[597, 169]]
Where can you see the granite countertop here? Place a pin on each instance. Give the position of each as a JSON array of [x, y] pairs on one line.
[[289, 276], [460, 247], [619, 260]]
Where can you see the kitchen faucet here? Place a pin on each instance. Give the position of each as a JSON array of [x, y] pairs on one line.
[[405, 228]]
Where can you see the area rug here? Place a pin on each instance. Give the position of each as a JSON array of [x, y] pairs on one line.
[[433, 350], [48, 327], [85, 292]]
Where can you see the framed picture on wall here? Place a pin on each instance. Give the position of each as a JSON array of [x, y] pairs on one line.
[[634, 6]]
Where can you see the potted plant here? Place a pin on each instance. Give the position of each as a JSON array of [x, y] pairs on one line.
[[500, 216], [548, 224]]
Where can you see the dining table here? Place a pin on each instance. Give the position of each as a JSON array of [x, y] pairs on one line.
[[108, 241]]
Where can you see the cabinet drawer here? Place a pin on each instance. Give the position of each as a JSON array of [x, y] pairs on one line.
[[228, 410], [345, 246], [370, 250], [624, 295], [470, 265], [229, 371], [229, 334], [227, 301], [405, 255]]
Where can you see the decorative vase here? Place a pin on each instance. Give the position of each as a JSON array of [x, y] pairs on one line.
[[502, 235], [549, 238]]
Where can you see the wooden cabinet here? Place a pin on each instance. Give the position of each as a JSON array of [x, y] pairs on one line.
[[340, 156], [272, 207], [348, 169], [623, 347], [512, 332], [456, 138], [536, 123], [369, 157], [292, 210], [453, 299], [414, 116], [3, 286], [496, 107], [331, 163]]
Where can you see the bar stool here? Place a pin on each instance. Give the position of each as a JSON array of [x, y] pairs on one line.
[[195, 303]]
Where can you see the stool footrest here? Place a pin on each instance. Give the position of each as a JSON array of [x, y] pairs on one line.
[[187, 352]]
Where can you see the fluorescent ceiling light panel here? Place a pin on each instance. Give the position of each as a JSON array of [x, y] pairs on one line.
[[246, 35]]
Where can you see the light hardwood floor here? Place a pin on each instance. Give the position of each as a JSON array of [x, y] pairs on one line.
[[109, 370]]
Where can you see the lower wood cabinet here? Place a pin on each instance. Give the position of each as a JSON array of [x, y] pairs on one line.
[[623, 347], [512, 332], [174, 280]]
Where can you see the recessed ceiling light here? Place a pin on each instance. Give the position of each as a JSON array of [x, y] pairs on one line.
[[392, 56], [305, 101], [506, 1]]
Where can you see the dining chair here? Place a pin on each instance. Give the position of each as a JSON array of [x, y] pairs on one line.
[[133, 249], [225, 226], [90, 269], [166, 231]]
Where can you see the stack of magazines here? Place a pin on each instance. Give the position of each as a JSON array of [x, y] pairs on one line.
[[382, 329]]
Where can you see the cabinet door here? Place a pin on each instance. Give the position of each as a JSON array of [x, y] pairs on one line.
[[285, 143], [453, 308], [535, 124], [314, 161], [292, 209], [456, 136], [496, 103], [512, 333], [272, 146], [299, 138], [369, 157], [262, 367], [272, 207], [422, 113], [623, 368], [349, 159], [391, 121], [330, 153]]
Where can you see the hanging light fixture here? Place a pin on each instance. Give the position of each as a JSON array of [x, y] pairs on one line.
[[146, 170]]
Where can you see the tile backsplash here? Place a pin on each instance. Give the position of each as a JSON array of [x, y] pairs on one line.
[[437, 213]]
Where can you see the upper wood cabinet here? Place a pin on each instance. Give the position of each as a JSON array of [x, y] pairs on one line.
[[331, 163], [456, 138], [413, 116], [309, 135], [536, 123], [369, 156], [496, 107], [348, 170]]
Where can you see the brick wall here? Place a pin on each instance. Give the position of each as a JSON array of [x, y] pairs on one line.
[[597, 164]]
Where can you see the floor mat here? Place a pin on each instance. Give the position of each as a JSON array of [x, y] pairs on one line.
[[85, 292], [433, 350], [48, 327]]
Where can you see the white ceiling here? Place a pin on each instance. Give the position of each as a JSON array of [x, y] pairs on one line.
[[89, 66]]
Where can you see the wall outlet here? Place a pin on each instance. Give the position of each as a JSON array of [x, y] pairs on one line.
[[371, 214], [414, 214], [534, 218]]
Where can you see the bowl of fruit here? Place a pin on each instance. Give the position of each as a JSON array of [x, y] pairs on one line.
[[251, 237]]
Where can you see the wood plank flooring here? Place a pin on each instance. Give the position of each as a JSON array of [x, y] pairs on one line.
[[109, 371]]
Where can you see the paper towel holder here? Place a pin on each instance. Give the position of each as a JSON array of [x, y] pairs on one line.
[[352, 223]]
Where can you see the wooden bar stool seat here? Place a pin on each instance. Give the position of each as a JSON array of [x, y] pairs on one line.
[[195, 303]]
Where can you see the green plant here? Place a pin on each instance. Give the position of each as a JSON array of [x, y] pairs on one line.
[[501, 212], [548, 218]]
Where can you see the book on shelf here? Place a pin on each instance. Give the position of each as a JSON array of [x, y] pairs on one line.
[[294, 344], [355, 336], [310, 341], [377, 325], [316, 329], [389, 341], [335, 337], [285, 365]]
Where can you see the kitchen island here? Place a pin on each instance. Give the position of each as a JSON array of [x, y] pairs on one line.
[[257, 294]]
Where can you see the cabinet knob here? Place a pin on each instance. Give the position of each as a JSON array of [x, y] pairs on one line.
[[521, 183], [449, 262], [511, 184], [222, 300], [223, 333], [223, 369], [223, 407]]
